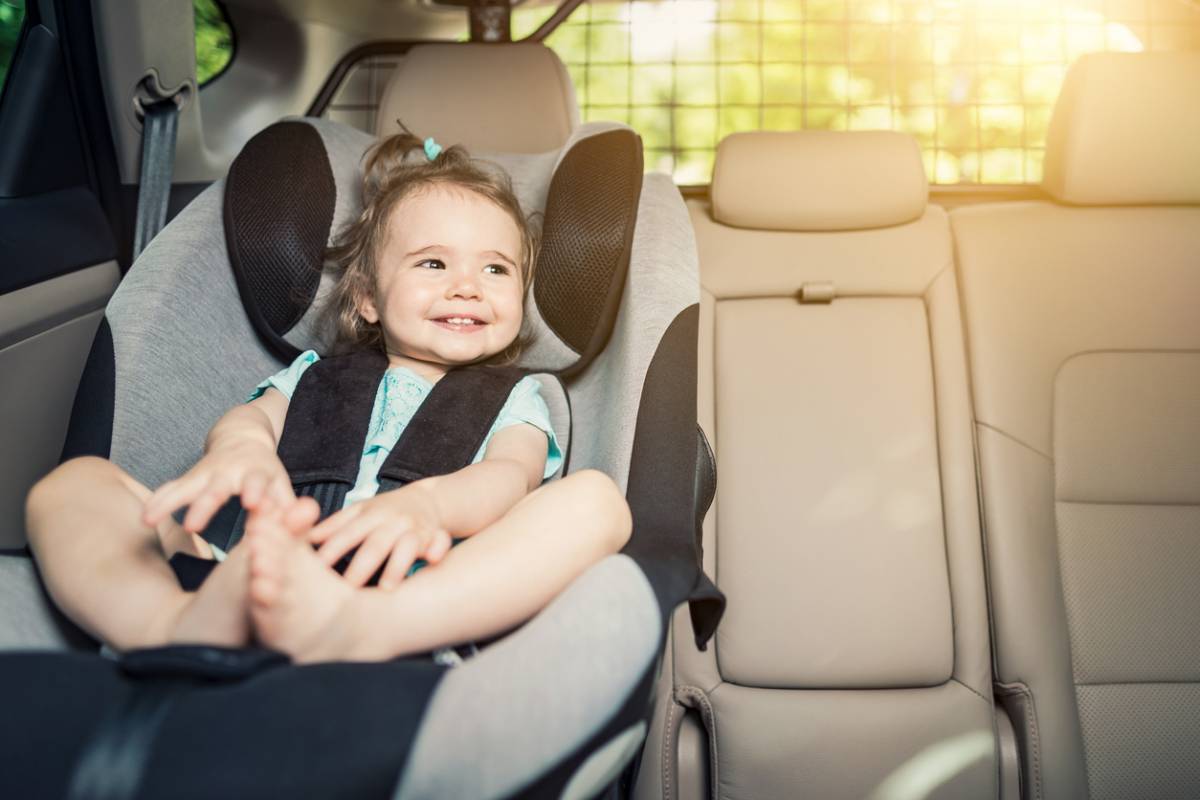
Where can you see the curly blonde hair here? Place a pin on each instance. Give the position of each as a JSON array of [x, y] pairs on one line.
[[389, 177]]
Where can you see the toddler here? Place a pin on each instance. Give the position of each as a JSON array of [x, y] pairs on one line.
[[434, 274]]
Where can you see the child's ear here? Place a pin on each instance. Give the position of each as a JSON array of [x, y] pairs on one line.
[[367, 310]]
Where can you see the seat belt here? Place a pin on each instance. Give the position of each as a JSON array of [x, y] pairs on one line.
[[159, 125]]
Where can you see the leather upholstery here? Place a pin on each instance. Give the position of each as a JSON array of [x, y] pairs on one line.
[[510, 98], [845, 531], [818, 180], [858, 469], [1126, 131], [1085, 363]]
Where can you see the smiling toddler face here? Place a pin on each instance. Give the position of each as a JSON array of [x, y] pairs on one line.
[[448, 288]]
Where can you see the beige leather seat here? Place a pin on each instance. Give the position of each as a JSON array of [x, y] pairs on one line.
[[510, 98], [853, 659], [1083, 321]]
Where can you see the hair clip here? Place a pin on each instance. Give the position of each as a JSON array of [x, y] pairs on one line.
[[432, 149]]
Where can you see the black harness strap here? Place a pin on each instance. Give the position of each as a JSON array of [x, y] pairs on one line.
[[450, 426], [329, 417], [327, 421]]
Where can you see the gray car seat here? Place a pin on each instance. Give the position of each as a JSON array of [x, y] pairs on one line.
[[557, 707]]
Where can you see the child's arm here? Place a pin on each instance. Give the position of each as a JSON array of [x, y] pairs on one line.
[[418, 520], [239, 459]]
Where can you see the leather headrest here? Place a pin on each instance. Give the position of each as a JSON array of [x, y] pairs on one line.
[[512, 98], [1126, 131], [818, 180]]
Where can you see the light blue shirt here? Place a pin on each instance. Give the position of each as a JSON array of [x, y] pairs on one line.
[[401, 392]]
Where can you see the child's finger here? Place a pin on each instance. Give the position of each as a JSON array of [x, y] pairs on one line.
[[345, 539], [438, 546], [204, 506], [404, 555], [370, 556], [254, 487], [334, 523], [172, 496], [281, 490]]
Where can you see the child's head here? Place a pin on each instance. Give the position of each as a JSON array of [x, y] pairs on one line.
[[436, 266]]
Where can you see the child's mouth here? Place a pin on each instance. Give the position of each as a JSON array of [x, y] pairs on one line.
[[460, 324]]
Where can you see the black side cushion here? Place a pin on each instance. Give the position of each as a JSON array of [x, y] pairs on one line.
[[587, 238], [90, 430], [279, 202]]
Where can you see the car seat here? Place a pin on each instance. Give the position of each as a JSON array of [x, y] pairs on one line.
[[221, 298]]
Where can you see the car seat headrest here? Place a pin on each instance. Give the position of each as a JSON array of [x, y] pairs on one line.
[[486, 82], [818, 180], [297, 183], [1126, 131]]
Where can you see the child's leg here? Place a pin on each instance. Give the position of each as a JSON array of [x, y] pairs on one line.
[[108, 571], [489, 583]]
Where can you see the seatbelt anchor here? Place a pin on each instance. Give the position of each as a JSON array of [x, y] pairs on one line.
[[149, 91]]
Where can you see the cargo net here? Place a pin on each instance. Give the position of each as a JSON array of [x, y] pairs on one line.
[[973, 80]]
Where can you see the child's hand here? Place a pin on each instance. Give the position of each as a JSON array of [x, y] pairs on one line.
[[246, 468], [397, 527]]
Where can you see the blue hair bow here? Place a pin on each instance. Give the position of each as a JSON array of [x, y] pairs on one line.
[[432, 149]]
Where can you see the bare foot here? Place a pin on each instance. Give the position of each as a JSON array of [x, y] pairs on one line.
[[217, 613], [297, 603]]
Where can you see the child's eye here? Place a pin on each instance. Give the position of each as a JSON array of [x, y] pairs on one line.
[[496, 269], [432, 263]]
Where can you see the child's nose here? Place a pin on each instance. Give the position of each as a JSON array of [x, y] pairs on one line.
[[464, 286]]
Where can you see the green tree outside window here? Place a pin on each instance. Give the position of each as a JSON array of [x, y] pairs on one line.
[[12, 12], [214, 40], [972, 80]]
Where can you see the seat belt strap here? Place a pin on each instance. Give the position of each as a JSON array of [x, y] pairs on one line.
[[159, 126]]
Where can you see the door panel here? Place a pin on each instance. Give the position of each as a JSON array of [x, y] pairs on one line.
[[45, 333], [58, 266]]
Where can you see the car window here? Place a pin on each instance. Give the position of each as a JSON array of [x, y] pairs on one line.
[[214, 40], [973, 80], [12, 12]]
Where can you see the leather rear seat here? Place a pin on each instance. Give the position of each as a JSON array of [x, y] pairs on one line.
[[853, 659], [1083, 320]]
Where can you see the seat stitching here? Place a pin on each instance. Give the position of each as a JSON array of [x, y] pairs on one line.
[[1008, 435], [1032, 728], [972, 691], [948, 266], [668, 750], [699, 700]]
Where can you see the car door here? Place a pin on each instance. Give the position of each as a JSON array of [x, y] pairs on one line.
[[58, 251]]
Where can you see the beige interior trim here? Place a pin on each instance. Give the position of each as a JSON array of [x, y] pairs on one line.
[[37, 308], [38, 406]]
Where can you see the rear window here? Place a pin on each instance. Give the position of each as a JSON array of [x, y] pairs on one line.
[[12, 12], [973, 80]]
